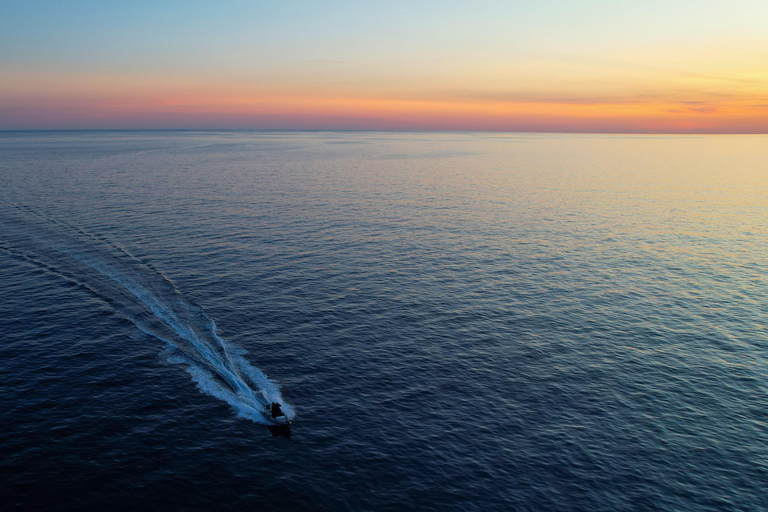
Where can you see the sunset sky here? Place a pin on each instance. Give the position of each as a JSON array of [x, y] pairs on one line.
[[561, 66]]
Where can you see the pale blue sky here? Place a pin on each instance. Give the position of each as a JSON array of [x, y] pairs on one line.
[[216, 55], [229, 34]]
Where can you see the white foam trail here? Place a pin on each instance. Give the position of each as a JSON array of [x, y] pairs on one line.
[[184, 327], [245, 400]]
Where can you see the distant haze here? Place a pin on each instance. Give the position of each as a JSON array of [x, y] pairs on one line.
[[675, 66]]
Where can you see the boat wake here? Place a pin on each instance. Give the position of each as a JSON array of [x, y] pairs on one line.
[[144, 296]]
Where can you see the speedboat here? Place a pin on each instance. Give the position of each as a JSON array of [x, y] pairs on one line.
[[275, 415]]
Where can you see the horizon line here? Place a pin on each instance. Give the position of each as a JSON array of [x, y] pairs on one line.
[[383, 130]]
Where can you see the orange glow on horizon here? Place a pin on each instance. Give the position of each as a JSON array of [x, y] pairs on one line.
[[418, 114], [689, 103]]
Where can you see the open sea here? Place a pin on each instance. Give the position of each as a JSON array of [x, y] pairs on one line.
[[454, 322]]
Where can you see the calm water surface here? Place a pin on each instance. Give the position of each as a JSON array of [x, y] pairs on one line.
[[456, 321]]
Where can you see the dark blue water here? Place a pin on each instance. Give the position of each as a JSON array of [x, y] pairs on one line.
[[456, 321]]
